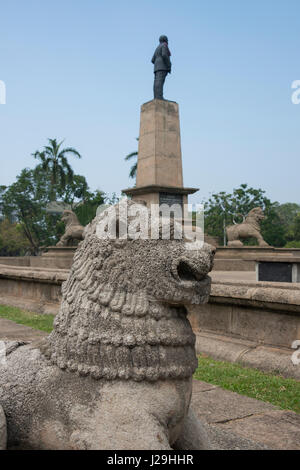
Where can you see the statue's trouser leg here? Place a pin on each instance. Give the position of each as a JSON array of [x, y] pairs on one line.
[[159, 80]]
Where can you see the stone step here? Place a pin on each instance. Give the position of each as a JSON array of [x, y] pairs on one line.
[[237, 422]]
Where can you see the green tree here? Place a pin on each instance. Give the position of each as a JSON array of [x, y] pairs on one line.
[[53, 160], [296, 227], [133, 169], [2, 191], [76, 189], [26, 202], [12, 239], [87, 210], [223, 209], [287, 213], [272, 228], [293, 234]]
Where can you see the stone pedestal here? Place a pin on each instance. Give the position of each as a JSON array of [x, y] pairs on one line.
[[55, 257], [159, 168]]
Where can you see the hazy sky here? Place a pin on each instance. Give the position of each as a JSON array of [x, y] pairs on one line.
[[80, 70]]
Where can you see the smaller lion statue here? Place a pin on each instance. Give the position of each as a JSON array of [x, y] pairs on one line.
[[74, 230], [249, 228]]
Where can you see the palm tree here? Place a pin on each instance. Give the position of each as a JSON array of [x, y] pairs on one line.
[[53, 160], [133, 169]]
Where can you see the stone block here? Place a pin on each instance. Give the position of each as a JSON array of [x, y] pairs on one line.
[[218, 405], [279, 430], [159, 153]]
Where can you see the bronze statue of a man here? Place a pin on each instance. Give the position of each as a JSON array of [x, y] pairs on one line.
[[162, 66]]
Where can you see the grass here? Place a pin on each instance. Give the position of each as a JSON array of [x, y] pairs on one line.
[[284, 393], [23, 317]]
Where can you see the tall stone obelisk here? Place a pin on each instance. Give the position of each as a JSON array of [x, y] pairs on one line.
[[159, 167]]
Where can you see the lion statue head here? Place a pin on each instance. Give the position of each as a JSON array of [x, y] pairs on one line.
[[256, 215], [69, 218], [74, 231], [123, 312]]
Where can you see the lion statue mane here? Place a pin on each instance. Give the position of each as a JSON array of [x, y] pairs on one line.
[[116, 371]]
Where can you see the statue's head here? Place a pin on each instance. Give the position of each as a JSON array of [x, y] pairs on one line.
[[69, 217], [123, 313], [163, 38], [256, 214]]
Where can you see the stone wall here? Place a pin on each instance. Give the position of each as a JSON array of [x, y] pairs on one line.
[[35, 289], [226, 258], [54, 257], [15, 260], [267, 313], [242, 258]]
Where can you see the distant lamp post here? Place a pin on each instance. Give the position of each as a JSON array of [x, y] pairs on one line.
[[224, 223]]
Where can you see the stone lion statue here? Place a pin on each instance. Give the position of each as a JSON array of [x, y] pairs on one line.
[[116, 371], [250, 228], [74, 230]]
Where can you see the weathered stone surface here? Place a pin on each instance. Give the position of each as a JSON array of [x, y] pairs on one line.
[[248, 353], [159, 169], [218, 406], [3, 435], [221, 439], [199, 386], [10, 330], [234, 421], [252, 252], [60, 257], [159, 145], [221, 347], [233, 265], [16, 260], [34, 289], [242, 258], [193, 436], [264, 313], [116, 371], [279, 430], [273, 360], [48, 408]]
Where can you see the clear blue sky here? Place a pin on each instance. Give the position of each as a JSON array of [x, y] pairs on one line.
[[80, 70]]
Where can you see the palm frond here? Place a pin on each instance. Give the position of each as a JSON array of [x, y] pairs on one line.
[[133, 170], [70, 150], [131, 155], [39, 155]]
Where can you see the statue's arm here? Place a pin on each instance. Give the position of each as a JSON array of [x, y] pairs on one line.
[[153, 59], [166, 58]]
